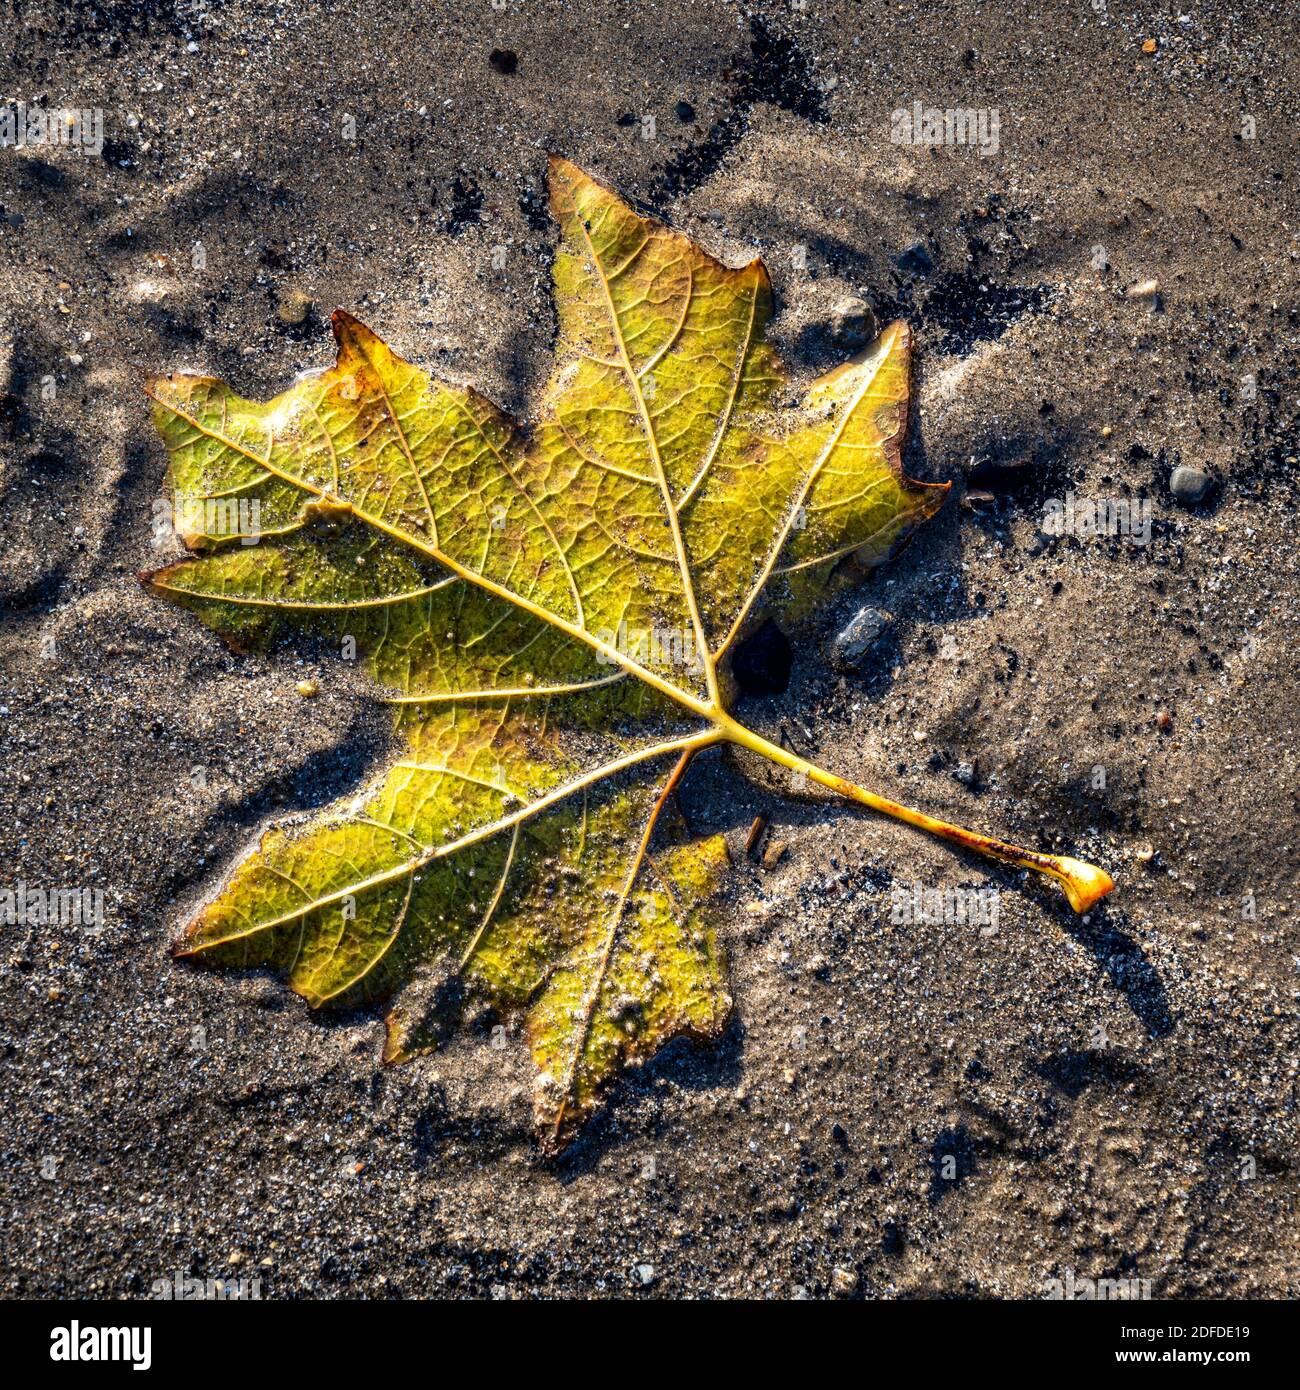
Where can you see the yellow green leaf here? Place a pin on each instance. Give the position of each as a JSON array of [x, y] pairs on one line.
[[549, 610]]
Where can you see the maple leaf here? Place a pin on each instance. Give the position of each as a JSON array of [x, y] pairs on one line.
[[550, 612]]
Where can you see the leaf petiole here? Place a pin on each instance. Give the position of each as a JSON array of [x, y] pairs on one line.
[[1085, 884]]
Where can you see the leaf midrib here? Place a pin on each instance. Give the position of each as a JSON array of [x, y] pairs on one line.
[[690, 743], [705, 709], [634, 385]]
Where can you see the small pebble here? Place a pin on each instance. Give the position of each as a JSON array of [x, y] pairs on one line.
[[852, 323], [1189, 485], [854, 641], [307, 689], [685, 111], [774, 853], [844, 1282], [1164, 721], [293, 307], [755, 834]]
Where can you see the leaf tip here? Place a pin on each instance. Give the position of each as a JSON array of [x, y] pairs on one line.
[[762, 279], [562, 177], [565, 180], [347, 328], [558, 166], [933, 495], [359, 347]]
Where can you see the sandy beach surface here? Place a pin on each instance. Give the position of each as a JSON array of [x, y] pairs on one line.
[[897, 1109]]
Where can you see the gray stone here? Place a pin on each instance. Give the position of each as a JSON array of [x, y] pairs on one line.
[[852, 323], [1189, 485], [855, 640]]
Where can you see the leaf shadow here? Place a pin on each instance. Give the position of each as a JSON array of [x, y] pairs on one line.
[[632, 1108], [1129, 968], [284, 795]]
